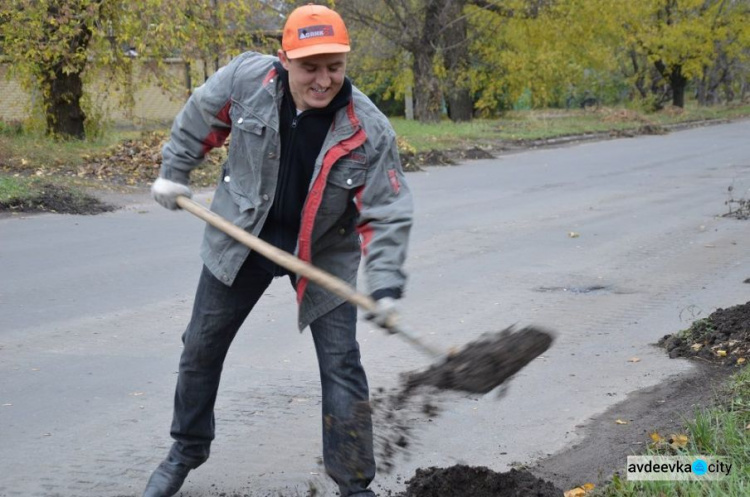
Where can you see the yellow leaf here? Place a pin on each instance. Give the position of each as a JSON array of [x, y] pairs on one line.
[[721, 353], [678, 441], [573, 234], [696, 347], [588, 487], [655, 437], [741, 360], [575, 492], [621, 422], [634, 359]]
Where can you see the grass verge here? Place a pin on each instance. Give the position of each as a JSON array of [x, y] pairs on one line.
[[544, 124], [723, 430], [123, 159]]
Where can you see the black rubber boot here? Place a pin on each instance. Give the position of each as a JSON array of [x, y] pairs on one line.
[[167, 478]]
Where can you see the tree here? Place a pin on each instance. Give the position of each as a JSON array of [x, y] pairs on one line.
[[50, 40], [540, 48], [413, 26], [53, 44], [457, 62], [684, 38]]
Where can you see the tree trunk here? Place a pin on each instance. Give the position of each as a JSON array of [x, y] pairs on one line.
[[409, 104], [62, 98], [62, 86], [460, 105], [456, 54], [640, 82], [427, 95], [678, 82]]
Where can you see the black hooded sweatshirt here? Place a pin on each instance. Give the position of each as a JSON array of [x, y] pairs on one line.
[[302, 137]]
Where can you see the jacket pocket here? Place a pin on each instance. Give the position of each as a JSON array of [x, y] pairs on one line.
[[246, 150], [344, 180]]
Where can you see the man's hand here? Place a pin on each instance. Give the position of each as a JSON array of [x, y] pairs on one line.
[[386, 313], [166, 191]]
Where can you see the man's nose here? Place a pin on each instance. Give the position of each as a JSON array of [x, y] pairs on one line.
[[324, 78]]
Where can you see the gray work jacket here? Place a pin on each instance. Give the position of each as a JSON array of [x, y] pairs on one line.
[[358, 200]]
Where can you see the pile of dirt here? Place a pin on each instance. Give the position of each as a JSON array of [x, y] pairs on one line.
[[723, 337], [464, 481], [413, 161], [57, 199]]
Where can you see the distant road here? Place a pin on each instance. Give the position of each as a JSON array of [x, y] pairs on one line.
[[612, 243]]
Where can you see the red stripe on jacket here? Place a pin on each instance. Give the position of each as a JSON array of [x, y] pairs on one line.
[[217, 136], [271, 74], [364, 230], [315, 197]]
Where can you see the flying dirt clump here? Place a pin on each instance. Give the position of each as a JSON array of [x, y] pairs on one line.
[[477, 368]]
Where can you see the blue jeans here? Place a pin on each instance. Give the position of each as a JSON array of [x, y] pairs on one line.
[[218, 313]]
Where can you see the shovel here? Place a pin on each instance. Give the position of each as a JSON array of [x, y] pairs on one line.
[[478, 367]]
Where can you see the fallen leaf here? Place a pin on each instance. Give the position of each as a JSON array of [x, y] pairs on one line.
[[678, 441], [741, 360], [634, 359], [721, 353], [621, 422], [696, 347], [573, 234], [136, 394], [656, 437], [579, 491], [575, 492]]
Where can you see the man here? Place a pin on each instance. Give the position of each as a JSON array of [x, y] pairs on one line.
[[313, 168]]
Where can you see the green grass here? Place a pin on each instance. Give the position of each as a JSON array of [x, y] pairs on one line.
[[542, 124], [14, 188], [718, 431]]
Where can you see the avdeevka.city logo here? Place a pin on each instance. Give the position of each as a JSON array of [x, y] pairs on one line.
[[678, 468]]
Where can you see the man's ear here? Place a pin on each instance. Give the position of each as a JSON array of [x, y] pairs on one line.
[[283, 58]]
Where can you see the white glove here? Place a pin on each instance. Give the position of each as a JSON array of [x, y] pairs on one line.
[[386, 313], [166, 191]]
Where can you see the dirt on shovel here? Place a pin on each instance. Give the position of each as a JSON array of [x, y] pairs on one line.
[[483, 365]]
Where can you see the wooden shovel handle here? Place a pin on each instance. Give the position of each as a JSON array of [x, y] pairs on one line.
[[280, 257]]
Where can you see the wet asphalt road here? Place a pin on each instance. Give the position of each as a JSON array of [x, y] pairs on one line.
[[613, 244]]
